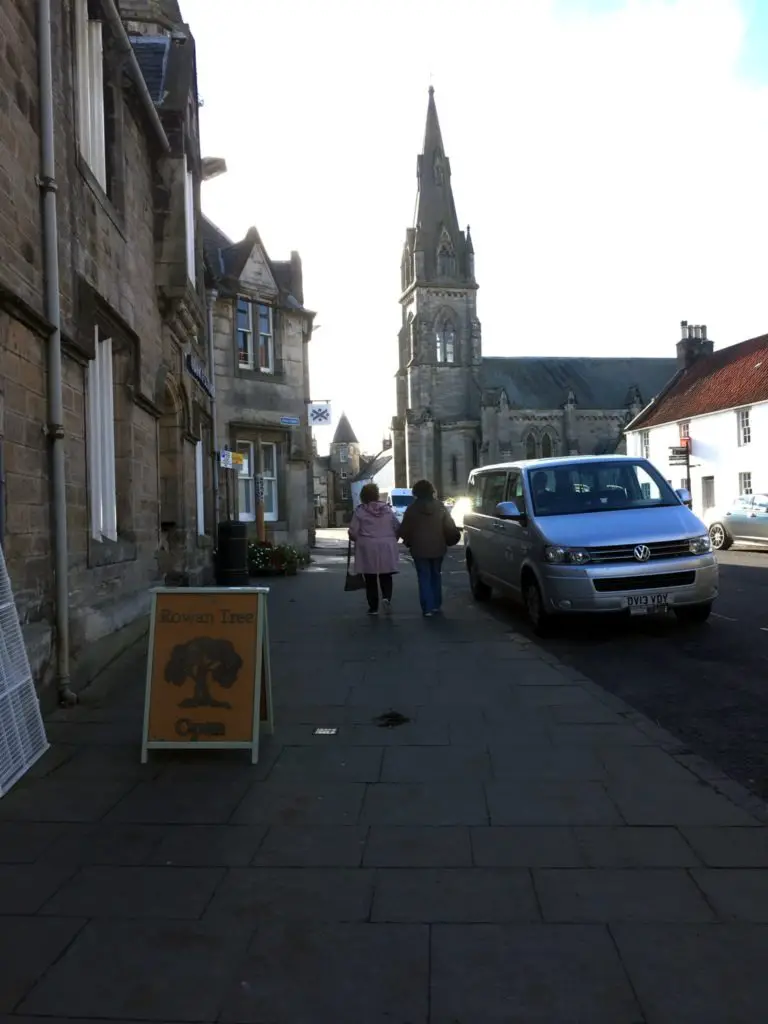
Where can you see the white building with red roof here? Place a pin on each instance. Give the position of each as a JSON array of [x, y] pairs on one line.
[[716, 405]]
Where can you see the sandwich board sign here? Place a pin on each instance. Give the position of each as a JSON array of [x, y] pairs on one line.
[[209, 678]]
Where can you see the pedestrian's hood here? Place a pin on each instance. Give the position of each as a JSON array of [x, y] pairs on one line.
[[621, 527], [375, 508]]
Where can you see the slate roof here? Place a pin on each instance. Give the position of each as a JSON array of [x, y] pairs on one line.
[[729, 378], [344, 433], [531, 382], [152, 56], [372, 468]]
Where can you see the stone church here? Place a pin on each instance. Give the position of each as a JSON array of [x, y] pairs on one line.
[[456, 409]]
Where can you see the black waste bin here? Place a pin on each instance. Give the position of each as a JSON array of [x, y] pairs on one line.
[[232, 555]]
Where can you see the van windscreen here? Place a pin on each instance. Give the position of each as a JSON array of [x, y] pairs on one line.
[[575, 488]]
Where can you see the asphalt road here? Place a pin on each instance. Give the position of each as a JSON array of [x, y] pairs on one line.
[[708, 684]]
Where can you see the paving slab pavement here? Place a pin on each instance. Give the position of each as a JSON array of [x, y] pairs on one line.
[[521, 847]]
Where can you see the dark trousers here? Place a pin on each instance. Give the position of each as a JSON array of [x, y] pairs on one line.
[[372, 583], [429, 575]]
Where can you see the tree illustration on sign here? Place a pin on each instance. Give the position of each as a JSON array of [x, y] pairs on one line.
[[199, 659]]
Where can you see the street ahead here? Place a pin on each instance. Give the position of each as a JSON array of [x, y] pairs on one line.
[[707, 685]]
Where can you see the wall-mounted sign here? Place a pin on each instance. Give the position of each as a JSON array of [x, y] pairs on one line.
[[196, 370], [231, 460], [209, 680], [290, 421]]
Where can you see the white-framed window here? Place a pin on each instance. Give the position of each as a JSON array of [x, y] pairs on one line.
[[684, 484], [685, 430], [269, 478], [189, 224], [247, 480], [266, 339], [745, 483], [100, 427], [200, 487], [244, 333], [259, 354], [744, 426], [645, 444], [343, 474], [343, 453], [344, 492], [89, 62]]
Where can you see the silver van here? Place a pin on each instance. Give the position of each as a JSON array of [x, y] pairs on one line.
[[587, 534]]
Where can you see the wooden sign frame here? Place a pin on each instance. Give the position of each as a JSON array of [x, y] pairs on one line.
[[259, 654]]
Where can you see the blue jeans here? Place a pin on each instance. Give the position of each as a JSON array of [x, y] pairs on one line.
[[429, 575]]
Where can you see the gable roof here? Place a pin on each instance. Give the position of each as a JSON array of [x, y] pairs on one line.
[[372, 468], [531, 382], [731, 377], [344, 433]]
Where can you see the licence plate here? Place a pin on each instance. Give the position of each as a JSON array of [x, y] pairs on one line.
[[647, 604]]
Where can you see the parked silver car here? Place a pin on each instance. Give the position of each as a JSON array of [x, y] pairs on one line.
[[746, 520], [587, 534]]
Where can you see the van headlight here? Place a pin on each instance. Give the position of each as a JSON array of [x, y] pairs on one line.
[[566, 556], [700, 545]]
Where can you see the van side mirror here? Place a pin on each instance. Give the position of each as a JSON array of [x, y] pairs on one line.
[[684, 496], [509, 510]]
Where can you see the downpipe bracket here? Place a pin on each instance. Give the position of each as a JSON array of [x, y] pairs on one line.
[[46, 184], [54, 431]]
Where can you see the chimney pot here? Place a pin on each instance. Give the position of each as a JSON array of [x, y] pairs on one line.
[[704, 332], [683, 329]]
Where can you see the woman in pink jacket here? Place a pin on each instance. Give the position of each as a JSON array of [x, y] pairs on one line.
[[374, 531]]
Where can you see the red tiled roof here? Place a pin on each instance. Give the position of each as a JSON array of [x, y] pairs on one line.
[[730, 377]]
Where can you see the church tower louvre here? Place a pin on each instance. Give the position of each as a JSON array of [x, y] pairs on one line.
[[436, 432]]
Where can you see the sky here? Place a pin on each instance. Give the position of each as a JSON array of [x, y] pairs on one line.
[[610, 156]]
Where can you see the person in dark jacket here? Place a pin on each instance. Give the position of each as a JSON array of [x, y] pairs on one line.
[[427, 531]]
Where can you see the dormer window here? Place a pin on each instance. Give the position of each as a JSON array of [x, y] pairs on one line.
[[446, 342], [89, 61], [255, 352]]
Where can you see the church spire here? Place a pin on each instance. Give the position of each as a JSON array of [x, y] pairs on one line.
[[438, 242]]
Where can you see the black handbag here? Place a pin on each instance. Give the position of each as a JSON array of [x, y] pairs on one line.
[[353, 581]]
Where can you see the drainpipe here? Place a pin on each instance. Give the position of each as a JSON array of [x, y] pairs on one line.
[[210, 301], [55, 426]]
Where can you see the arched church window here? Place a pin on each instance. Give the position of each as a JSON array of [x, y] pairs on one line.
[[438, 170], [446, 342], [530, 447], [454, 470], [446, 257], [475, 455], [547, 450]]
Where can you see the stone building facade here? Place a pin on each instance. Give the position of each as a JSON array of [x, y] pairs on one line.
[[261, 334], [131, 303], [457, 409]]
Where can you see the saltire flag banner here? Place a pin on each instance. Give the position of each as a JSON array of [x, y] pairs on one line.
[[320, 414]]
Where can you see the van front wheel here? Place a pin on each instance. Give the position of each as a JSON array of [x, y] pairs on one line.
[[539, 618]]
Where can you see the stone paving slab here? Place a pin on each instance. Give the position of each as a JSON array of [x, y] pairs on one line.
[[523, 848], [521, 973]]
